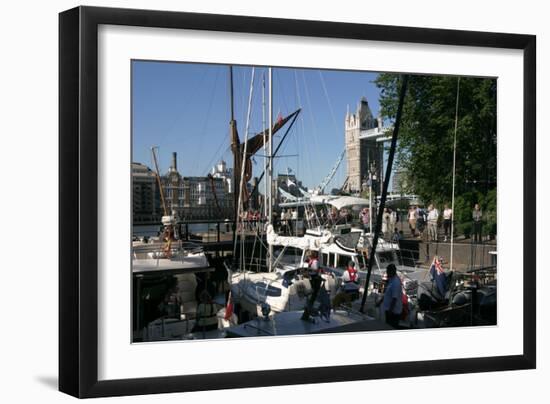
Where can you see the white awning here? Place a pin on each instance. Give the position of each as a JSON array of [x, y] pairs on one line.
[[346, 201]]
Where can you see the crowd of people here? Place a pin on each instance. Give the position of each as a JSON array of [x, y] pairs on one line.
[[428, 223]]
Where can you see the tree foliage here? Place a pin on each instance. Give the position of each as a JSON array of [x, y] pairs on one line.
[[425, 151]]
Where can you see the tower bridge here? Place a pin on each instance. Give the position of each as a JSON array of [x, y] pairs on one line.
[[364, 139]]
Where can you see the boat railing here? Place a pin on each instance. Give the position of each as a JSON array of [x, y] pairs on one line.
[[176, 251]]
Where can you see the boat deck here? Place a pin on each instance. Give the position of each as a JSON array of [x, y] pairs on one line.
[[152, 266], [290, 323]]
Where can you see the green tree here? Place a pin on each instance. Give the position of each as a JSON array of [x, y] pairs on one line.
[[425, 151]]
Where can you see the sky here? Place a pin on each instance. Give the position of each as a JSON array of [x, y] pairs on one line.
[[184, 107]]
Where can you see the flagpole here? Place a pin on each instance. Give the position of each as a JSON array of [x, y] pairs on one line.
[[454, 172]]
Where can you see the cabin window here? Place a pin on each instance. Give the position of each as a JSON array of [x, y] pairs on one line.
[[268, 290], [343, 261], [387, 257]]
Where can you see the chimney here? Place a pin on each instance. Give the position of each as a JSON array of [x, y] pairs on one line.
[[174, 166]]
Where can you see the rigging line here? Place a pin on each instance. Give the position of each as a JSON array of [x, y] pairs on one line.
[[280, 87], [308, 157], [328, 102], [315, 132], [301, 139], [274, 154], [242, 172], [206, 121], [214, 158], [454, 171], [243, 95], [299, 102]]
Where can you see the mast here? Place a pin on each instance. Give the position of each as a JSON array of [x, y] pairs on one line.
[[233, 128], [292, 116], [378, 223], [235, 148], [270, 167], [159, 182], [265, 146]]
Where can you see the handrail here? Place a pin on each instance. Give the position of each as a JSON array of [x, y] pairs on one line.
[[178, 246]]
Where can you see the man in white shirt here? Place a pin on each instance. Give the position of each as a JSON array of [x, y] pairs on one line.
[[433, 215]]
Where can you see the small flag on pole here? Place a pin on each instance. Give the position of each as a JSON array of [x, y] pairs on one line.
[[228, 308], [438, 275]]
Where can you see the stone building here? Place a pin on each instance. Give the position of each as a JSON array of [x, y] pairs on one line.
[[187, 198], [145, 195], [364, 138], [198, 198]]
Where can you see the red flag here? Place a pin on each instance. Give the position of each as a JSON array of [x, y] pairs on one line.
[[228, 308]]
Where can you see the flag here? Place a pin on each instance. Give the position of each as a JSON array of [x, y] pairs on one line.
[[438, 275], [228, 308]]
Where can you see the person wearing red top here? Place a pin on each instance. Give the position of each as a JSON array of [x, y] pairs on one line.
[[350, 275], [351, 279]]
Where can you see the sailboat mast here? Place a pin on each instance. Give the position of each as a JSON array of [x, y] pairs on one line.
[[270, 167], [378, 223], [159, 182], [265, 146], [232, 128]]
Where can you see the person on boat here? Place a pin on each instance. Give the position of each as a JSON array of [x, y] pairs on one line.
[[351, 280], [207, 319], [313, 263], [314, 272], [392, 299], [350, 274]]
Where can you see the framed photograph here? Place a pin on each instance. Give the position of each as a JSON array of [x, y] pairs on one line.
[[242, 198]]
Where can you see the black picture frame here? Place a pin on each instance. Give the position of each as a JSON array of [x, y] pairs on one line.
[[78, 200]]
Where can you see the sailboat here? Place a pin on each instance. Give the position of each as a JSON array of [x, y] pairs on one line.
[[253, 290], [159, 266], [284, 285]]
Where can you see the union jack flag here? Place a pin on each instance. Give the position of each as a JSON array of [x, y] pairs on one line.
[[438, 275]]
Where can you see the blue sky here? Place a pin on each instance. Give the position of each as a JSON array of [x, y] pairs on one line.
[[184, 107]]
